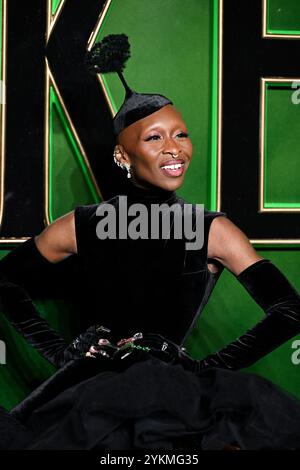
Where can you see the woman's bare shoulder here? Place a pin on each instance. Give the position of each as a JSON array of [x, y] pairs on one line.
[[230, 245], [58, 240]]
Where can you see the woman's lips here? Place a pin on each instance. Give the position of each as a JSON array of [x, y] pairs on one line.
[[173, 169]]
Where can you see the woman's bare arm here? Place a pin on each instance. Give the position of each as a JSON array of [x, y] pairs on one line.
[[58, 241], [230, 246]]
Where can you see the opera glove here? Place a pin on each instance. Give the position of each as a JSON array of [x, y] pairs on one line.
[[281, 304], [25, 265], [19, 308]]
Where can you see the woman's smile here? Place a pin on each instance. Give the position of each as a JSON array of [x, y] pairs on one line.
[[173, 169]]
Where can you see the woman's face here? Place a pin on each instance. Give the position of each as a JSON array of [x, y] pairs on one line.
[[149, 144]]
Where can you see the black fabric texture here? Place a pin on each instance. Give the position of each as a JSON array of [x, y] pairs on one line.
[[154, 398], [137, 291], [149, 404]]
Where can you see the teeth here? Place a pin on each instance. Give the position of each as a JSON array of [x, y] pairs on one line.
[[173, 167]]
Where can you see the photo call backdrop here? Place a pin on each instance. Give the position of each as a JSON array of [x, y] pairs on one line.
[[231, 67]]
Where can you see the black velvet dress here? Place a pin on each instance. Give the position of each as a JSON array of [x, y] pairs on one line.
[[154, 286]]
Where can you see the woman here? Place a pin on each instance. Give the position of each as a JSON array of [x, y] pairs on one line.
[[128, 382]]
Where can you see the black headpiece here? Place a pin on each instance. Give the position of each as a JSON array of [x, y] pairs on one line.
[[110, 55]]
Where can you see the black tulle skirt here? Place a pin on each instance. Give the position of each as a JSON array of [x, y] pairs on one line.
[[149, 404]]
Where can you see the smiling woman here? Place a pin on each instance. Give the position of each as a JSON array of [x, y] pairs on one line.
[[157, 149], [127, 382]]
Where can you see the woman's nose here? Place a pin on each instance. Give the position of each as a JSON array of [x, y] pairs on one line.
[[171, 146]]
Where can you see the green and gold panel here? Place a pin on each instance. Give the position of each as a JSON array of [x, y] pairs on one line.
[[281, 146], [69, 178], [54, 6], [282, 17]]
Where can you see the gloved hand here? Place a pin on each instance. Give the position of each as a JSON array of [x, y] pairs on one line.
[[138, 347], [281, 304], [90, 342], [166, 350]]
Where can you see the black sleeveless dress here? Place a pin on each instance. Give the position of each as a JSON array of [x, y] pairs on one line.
[[144, 284], [149, 286]]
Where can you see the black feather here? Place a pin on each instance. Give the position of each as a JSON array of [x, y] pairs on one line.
[[108, 55]]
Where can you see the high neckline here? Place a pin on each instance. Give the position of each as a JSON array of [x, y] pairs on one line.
[[153, 195]]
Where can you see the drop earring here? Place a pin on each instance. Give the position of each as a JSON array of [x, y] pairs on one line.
[[128, 168], [123, 165], [116, 160]]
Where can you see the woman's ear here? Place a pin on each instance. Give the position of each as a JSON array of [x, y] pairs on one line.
[[121, 155]]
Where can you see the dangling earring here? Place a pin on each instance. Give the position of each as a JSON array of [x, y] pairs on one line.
[[128, 168], [123, 165], [116, 160]]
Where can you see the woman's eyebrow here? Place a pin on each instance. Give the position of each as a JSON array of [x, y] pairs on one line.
[[154, 128], [158, 127]]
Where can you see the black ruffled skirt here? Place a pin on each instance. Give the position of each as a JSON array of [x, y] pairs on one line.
[[150, 404]]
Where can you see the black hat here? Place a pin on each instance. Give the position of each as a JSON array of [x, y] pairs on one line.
[[110, 55]]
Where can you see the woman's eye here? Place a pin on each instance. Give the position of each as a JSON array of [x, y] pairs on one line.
[[153, 137], [182, 135]]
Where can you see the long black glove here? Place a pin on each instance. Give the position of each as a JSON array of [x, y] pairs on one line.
[[16, 268], [281, 303]]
